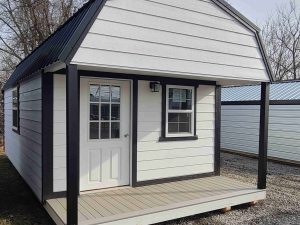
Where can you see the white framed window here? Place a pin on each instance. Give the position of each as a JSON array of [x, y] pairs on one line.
[[15, 109], [180, 111]]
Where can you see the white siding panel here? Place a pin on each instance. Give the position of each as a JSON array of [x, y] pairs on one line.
[[202, 40], [174, 13], [158, 160], [240, 130], [117, 44], [175, 171], [204, 7], [24, 150], [59, 133], [164, 64], [192, 38]]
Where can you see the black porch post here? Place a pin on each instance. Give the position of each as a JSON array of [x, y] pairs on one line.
[[217, 129], [263, 136], [72, 81]]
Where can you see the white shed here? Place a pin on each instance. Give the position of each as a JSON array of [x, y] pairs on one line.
[[240, 120], [115, 118]]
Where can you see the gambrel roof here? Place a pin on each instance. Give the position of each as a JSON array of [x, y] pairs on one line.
[[61, 46]]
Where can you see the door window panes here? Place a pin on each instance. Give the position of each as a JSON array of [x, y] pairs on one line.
[[105, 93], [105, 111], [94, 111], [94, 130], [115, 130], [105, 107]]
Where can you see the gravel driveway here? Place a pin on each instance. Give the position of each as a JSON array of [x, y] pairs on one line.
[[281, 207]]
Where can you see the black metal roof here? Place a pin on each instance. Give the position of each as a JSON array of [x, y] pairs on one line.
[[64, 42], [59, 46]]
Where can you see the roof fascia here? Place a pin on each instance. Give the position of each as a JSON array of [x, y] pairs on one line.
[[235, 13]]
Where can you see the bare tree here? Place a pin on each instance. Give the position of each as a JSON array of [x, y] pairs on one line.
[[24, 24], [281, 35]]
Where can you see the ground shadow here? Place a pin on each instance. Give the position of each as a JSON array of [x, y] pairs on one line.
[[18, 205]]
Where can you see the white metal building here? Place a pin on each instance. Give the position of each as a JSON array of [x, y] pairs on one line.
[[240, 120]]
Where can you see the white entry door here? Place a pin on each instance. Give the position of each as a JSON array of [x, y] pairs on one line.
[[104, 133]]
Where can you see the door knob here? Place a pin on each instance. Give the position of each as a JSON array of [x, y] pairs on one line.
[[126, 135]]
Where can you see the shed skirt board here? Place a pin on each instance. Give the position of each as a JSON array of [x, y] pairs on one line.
[[156, 203]]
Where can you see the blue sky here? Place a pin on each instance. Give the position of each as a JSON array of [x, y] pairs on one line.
[[258, 10]]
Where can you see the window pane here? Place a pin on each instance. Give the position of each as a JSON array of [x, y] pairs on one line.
[[115, 94], [173, 117], [171, 92], [15, 118], [179, 122], [174, 105], [173, 128], [94, 130], [184, 127], [115, 112], [105, 130], [105, 111], [115, 130], [105, 93], [94, 111], [185, 117], [94, 93], [188, 93], [180, 99]]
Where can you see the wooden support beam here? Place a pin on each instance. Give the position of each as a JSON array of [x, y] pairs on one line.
[[217, 129], [73, 122], [263, 136], [226, 209], [253, 203]]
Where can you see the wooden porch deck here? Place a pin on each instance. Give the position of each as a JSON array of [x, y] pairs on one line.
[[156, 203]]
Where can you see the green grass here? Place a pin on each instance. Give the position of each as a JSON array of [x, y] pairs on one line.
[[18, 205]]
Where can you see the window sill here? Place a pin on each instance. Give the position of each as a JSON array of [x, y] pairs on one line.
[[189, 138], [17, 131]]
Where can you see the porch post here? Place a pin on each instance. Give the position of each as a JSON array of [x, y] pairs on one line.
[[217, 129], [72, 81], [263, 136]]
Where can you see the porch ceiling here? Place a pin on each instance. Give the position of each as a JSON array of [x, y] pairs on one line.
[[157, 203]]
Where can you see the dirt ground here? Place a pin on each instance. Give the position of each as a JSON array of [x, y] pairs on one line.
[[18, 205]]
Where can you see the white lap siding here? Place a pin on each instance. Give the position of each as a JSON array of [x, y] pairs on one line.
[[240, 130], [157, 160], [24, 150], [59, 133], [175, 37]]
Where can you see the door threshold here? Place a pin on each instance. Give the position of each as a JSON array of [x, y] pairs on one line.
[[104, 189]]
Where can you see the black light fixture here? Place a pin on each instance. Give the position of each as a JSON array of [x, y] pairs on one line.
[[155, 86]]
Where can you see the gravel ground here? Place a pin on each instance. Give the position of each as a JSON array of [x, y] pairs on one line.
[[18, 206], [281, 207]]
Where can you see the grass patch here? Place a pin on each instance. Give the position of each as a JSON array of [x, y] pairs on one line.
[[18, 205]]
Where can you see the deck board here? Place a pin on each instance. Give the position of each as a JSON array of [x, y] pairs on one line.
[[112, 206]]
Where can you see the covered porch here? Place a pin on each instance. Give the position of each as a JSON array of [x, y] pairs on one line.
[[153, 202], [156, 203]]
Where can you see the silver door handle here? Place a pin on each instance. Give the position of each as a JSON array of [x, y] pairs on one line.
[[126, 135]]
